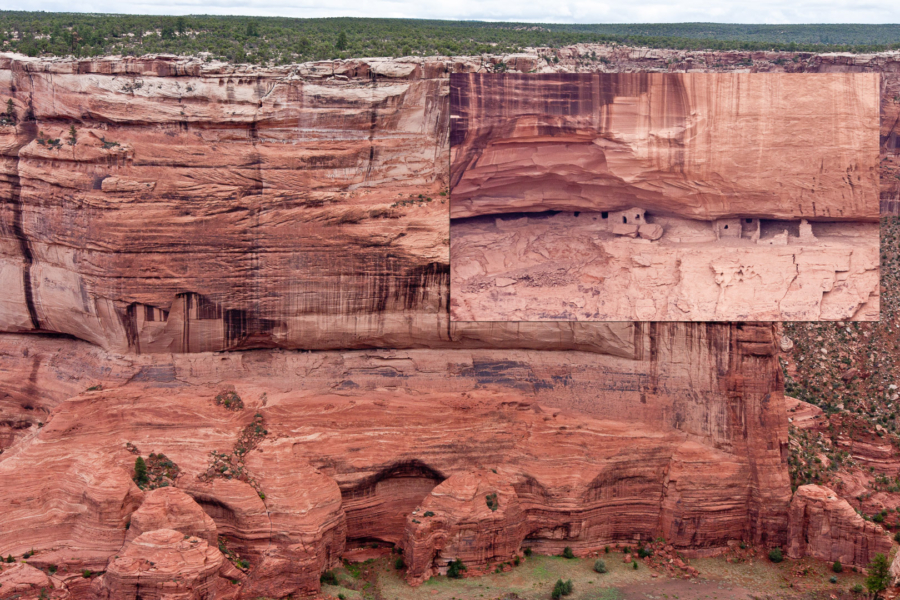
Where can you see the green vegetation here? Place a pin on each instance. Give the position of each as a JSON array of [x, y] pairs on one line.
[[492, 502], [279, 40], [454, 571], [879, 575], [230, 399], [140, 473], [567, 553], [86, 573], [634, 565], [837, 567], [600, 566], [775, 555], [399, 563], [328, 578], [561, 588]]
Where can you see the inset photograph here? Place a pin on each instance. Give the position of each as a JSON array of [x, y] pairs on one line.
[[664, 197]]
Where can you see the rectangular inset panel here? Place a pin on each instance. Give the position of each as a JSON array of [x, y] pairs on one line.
[[664, 196]]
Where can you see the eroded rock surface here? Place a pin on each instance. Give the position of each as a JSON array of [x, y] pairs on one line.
[[207, 207], [825, 526], [668, 214]]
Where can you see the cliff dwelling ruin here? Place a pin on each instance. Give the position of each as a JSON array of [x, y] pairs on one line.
[[679, 197]]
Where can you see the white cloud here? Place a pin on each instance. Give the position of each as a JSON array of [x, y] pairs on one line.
[[557, 11]]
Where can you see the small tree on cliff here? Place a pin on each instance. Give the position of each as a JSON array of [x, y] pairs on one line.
[[11, 110], [73, 136], [879, 575], [140, 472]]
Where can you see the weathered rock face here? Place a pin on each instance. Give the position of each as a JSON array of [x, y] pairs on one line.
[[534, 266], [236, 239], [171, 508], [825, 526], [692, 419], [676, 144], [675, 218], [162, 565], [23, 582]]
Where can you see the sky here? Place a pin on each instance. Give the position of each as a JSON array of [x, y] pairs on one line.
[[542, 11]]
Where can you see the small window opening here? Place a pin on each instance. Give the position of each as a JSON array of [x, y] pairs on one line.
[[577, 213], [624, 219], [604, 215], [726, 227], [748, 220]]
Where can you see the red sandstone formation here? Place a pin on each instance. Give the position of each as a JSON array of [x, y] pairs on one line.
[[161, 565], [171, 508], [675, 217], [282, 211], [674, 144], [825, 526], [23, 582], [595, 450]]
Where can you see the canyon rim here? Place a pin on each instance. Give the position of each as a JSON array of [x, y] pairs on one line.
[[240, 275]]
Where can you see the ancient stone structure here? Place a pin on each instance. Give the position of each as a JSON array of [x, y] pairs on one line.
[[616, 152], [285, 212]]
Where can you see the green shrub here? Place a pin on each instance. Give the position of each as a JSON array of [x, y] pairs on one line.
[[527, 551], [600, 566], [567, 553], [644, 552], [87, 573], [398, 563], [561, 588], [52, 569], [428, 513], [516, 561], [832, 579], [492, 501], [837, 567], [454, 571], [140, 472], [328, 578], [634, 565], [857, 589], [775, 555]]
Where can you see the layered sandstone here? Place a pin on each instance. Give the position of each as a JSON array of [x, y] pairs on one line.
[[825, 526], [162, 565], [686, 196], [208, 207], [307, 482]]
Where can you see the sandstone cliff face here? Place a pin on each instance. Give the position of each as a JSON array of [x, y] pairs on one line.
[[692, 419], [180, 251], [825, 526], [686, 196], [702, 145]]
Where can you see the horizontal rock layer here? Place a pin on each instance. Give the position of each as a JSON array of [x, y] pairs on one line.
[[684, 438], [696, 145], [206, 206]]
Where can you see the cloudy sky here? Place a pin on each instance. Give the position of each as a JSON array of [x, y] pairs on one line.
[[552, 11]]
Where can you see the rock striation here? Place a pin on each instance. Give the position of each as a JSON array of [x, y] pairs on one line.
[[162, 564], [825, 526], [666, 214], [208, 207], [674, 144]]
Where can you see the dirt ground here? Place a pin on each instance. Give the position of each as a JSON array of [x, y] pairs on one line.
[[533, 579]]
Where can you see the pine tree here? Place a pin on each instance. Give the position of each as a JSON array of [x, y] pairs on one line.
[[341, 41], [73, 137], [140, 472], [879, 575]]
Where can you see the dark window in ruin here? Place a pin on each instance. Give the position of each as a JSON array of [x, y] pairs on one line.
[[748, 220], [624, 219], [604, 215], [577, 213], [726, 227], [148, 313], [637, 217]]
